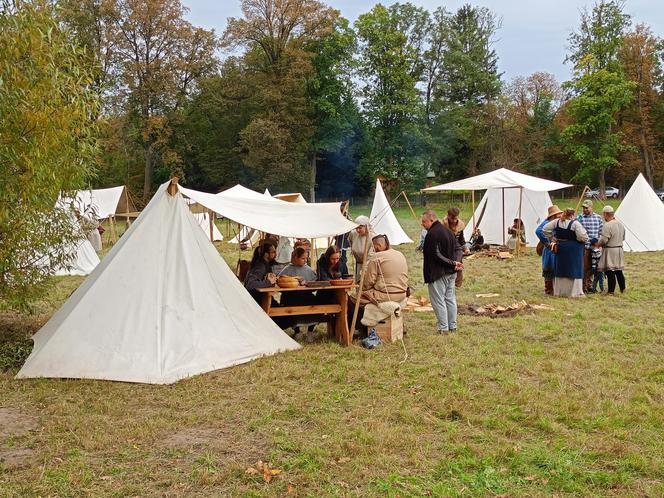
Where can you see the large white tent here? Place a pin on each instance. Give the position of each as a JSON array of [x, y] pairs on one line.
[[383, 221], [500, 178], [498, 209], [642, 213], [162, 306], [508, 195]]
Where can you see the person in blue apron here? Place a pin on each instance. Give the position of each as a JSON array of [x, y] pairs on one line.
[[569, 237]]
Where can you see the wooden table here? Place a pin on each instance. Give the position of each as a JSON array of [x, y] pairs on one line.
[[337, 313]]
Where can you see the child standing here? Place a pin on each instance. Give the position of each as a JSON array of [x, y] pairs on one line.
[[598, 276]]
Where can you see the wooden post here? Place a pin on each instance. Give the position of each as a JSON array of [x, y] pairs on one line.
[[503, 190], [521, 228], [173, 187], [210, 213], [472, 197], [359, 291]]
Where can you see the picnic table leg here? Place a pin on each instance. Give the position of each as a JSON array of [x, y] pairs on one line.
[[267, 302], [343, 335]]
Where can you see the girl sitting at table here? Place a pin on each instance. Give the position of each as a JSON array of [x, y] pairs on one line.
[[330, 266]]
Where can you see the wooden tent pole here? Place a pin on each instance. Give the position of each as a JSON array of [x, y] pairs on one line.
[[472, 197], [585, 189], [211, 224], [349, 339], [403, 192], [521, 228], [503, 190]]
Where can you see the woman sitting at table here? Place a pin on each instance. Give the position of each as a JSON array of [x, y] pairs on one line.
[[330, 266], [298, 266], [260, 272]]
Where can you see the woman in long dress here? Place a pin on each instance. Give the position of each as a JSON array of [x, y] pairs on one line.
[[570, 236]]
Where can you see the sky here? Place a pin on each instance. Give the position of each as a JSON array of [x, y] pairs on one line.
[[533, 36]]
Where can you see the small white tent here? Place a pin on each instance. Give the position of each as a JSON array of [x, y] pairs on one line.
[[162, 306], [383, 221], [498, 209], [105, 202], [203, 220], [84, 259], [642, 213]]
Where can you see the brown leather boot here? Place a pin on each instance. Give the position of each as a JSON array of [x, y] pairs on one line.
[[548, 287]]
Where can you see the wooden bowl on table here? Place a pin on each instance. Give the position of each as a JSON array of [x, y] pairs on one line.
[[341, 281], [286, 282]]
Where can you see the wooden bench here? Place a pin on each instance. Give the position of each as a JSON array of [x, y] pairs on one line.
[[337, 323]]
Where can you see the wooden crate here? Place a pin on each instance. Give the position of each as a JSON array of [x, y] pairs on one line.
[[391, 329]]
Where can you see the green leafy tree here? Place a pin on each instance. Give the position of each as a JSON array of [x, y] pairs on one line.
[[599, 86], [47, 145], [466, 90], [391, 64]]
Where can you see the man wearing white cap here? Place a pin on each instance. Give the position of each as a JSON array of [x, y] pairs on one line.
[[358, 238], [612, 260]]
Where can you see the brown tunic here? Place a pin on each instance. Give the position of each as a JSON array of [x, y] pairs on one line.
[[386, 278]]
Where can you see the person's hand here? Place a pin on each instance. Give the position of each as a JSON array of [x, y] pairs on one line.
[[458, 265], [271, 277]]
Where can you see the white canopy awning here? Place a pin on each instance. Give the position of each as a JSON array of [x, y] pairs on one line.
[[500, 178], [272, 215], [105, 202]]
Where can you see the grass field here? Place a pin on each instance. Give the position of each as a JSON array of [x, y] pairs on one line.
[[558, 403]]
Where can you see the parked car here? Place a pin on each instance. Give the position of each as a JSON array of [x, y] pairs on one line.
[[608, 192], [660, 193]]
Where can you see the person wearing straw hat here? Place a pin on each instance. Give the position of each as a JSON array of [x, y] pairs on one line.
[[548, 257], [612, 261], [358, 239], [569, 237]]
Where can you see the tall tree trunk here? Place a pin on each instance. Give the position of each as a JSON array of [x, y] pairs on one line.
[[147, 181], [312, 188], [602, 184]]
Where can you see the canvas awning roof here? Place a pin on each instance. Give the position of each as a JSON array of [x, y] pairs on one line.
[[500, 178], [272, 215]]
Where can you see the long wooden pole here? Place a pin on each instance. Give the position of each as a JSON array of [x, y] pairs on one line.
[[412, 211], [349, 339], [503, 190], [211, 224], [472, 197], [585, 189], [518, 234]]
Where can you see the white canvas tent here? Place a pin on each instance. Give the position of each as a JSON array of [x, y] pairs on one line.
[[105, 202], [642, 213], [498, 209], [162, 306], [291, 197], [84, 260], [383, 221], [509, 188], [203, 220]]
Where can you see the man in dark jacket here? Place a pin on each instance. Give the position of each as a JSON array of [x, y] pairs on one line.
[[442, 255]]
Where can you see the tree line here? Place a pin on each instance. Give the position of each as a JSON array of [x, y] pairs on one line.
[[293, 97]]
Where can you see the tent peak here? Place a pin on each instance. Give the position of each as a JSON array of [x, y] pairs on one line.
[[173, 186]]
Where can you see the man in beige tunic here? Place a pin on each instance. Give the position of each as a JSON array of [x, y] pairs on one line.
[[387, 274], [612, 261]]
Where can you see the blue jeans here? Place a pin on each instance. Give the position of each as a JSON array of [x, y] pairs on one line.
[[442, 295]]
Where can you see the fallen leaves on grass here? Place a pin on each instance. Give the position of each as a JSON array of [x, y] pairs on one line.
[[264, 468]]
